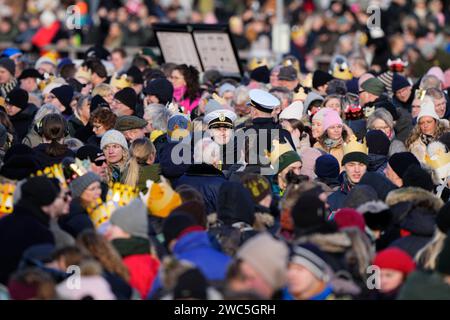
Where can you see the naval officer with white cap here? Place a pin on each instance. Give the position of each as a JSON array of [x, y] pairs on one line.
[[221, 129], [262, 104]]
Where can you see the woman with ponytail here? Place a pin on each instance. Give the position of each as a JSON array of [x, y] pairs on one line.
[[186, 86], [141, 166], [53, 129]]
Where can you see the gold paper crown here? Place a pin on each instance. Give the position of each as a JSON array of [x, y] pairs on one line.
[[54, 171], [120, 82], [300, 95], [439, 160], [344, 74], [354, 146], [307, 81], [160, 199], [278, 150], [256, 63], [6, 198], [121, 194], [100, 212], [83, 73]]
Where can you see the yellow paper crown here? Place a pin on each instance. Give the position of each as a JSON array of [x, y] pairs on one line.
[[307, 81], [54, 171], [120, 82], [121, 194], [6, 198], [100, 212], [354, 146], [161, 199], [438, 160], [256, 63], [342, 74], [83, 73], [278, 150]]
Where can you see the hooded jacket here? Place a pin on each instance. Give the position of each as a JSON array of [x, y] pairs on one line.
[[414, 212], [422, 285]]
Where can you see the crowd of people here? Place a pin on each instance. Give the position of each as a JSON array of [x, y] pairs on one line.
[[296, 182]]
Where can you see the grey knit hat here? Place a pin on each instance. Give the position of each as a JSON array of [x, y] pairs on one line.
[[132, 219], [113, 136], [81, 183], [8, 64]]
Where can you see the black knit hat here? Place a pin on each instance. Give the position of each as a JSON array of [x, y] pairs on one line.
[[128, 97], [64, 94], [399, 82], [19, 167], [161, 88], [136, 74], [30, 73], [320, 78], [191, 284], [356, 156], [40, 191], [90, 152], [400, 161], [260, 74], [98, 102], [326, 166], [8, 64], [176, 224], [18, 98], [377, 142], [415, 176], [443, 218], [309, 214]]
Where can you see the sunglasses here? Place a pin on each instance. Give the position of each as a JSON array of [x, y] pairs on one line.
[[99, 163]]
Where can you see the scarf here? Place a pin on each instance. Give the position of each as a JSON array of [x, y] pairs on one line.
[[331, 143], [426, 139], [6, 88], [131, 246], [179, 92]]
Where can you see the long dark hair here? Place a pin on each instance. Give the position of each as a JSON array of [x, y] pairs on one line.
[[191, 76], [54, 128]]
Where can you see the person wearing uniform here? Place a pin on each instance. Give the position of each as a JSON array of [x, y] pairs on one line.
[[263, 130], [221, 129]]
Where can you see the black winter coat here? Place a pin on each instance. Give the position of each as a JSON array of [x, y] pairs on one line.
[[25, 227], [23, 120]]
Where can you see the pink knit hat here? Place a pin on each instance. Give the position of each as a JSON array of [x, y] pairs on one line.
[[332, 118], [447, 79], [437, 72]]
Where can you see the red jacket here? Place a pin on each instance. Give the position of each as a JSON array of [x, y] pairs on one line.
[[143, 269]]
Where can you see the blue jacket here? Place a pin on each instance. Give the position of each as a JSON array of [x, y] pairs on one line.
[[207, 180], [196, 248]]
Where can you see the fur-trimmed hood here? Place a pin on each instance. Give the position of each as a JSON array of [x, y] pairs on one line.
[[417, 196]]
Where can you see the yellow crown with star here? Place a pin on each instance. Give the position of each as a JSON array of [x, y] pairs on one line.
[[120, 82], [256, 63], [354, 146]]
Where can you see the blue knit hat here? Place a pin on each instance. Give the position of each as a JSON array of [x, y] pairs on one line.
[[399, 82], [327, 166]]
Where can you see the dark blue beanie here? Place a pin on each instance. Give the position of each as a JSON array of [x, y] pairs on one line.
[[399, 82], [327, 166]]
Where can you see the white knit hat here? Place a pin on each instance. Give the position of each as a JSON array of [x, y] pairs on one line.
[[293, 111], [427, 109], [113, 136]]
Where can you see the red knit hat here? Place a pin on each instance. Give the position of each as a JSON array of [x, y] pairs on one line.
[[347, 217], [396, 259]]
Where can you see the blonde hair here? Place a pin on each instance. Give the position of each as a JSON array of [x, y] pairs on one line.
[[427, 256], [103, 89], [140, 151]]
